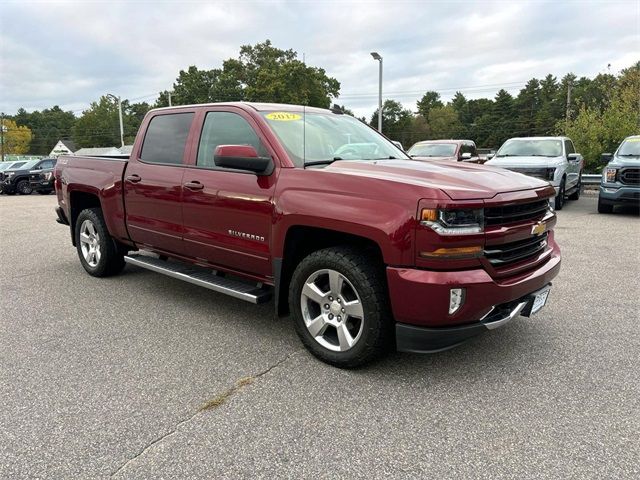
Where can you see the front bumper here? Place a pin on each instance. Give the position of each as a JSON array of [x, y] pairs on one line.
[[7, 187], [421, 297], [411, 338], [617, 194]]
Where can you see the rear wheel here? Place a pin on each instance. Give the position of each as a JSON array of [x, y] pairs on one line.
[[559, 201], [338, 299], [99, 254], [604, 207], [24, 188]]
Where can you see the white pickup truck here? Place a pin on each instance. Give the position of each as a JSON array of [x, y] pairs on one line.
[[550, 158]]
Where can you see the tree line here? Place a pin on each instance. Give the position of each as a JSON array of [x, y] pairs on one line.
[[596, 112]]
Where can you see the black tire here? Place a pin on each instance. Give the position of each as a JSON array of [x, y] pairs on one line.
[[366, 275], [23, 187], [111, 261], [576, 194], [559, 201], [604, 207]]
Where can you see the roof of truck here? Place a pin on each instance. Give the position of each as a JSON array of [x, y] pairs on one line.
[[260, 107]]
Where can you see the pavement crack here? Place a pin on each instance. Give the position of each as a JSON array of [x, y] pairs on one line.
[[215, 402]]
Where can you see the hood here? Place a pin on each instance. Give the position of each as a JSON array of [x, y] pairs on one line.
[[525, 162], [430, 159], [460, 181], [624, 162]]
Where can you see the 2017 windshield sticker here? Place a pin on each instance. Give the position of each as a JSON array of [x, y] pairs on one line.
[[283, 116]]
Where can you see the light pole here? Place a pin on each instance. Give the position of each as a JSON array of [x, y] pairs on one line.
[[376, 56], [117, 99]]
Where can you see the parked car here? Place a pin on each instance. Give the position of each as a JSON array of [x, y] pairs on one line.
[[17, 180], [456, 150], [10, 165], [362, 245], [620, 183], [41, 180], [553, 159]]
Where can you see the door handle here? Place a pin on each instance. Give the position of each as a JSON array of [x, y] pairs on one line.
[[194, 185], [133, 178]]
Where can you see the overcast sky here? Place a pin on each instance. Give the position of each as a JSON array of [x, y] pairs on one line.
[[69, 53]]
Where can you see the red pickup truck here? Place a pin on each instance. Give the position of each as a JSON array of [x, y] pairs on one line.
[[366, 248]]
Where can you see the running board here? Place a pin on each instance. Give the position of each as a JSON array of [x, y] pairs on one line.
[[202, 277]]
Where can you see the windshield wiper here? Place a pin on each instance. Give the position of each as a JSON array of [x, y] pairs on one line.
[[390, 157], [323, 162], [629, 155]]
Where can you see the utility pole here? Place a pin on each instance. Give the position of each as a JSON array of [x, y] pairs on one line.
[[2, 127], [169, 95], [568, 117], [117, 99]]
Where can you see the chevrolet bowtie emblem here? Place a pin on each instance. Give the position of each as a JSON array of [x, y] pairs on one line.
[[538, 228]]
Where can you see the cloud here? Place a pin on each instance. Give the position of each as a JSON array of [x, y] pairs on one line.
[[70, 53]]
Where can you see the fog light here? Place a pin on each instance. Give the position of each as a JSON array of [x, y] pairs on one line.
[[456, 299]]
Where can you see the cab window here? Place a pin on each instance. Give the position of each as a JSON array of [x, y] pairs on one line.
[[166, 138], [225, 128]]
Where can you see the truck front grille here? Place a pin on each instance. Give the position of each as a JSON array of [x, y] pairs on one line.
[[630, 176], [515, 213], [509, 253]]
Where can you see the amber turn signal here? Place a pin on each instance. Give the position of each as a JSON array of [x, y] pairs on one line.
[[456, 252], [429, 215]]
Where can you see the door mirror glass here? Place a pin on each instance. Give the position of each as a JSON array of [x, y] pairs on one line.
[[606, 157], [572, 157], [242, 157], [465, 156]]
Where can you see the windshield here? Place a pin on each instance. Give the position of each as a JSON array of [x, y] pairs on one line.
[[433, 150], [531, 148], [324, 137], [630, 148]]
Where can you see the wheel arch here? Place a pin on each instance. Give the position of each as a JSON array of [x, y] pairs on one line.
[[80, 200], [300, 241]]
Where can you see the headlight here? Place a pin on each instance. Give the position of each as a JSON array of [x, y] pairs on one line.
[[10, 174], [609, 175], [551, 172], [453, 222]]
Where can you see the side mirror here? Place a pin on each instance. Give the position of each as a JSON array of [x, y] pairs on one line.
[[606, 157], [490, 156], [572, 157], [398, 144], [465, 156], [242, 157]]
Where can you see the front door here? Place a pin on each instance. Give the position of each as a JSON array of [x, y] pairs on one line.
[[153, 183], [228, 213]]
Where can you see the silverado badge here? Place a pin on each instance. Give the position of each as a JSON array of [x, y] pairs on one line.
[[538, 228]]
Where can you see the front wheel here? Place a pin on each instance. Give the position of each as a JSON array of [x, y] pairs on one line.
[[99, 254], [604, 207], [24, 187], [339, 302], [559, 201]]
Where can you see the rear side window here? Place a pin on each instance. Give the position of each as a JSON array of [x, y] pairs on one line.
[[225, 128], [47, 164], [166, 137]]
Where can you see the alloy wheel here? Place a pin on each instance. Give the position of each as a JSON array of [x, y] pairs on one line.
[[332, 310], [90, 243]]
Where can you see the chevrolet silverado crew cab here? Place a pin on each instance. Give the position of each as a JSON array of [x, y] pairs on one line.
[[366, 248], [550, 158], [620, 183]]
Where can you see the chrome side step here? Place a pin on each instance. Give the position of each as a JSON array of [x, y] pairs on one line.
[[202, 277]]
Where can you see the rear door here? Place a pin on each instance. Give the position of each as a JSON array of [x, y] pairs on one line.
[[153, 182], [229, 213]]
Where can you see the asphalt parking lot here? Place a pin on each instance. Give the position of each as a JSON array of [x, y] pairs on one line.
[[141, 376]]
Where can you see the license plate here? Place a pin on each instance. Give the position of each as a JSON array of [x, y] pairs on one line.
[[539, 301]]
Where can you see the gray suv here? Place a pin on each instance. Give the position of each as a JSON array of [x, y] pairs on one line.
[[621, 177], [550, 158]]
